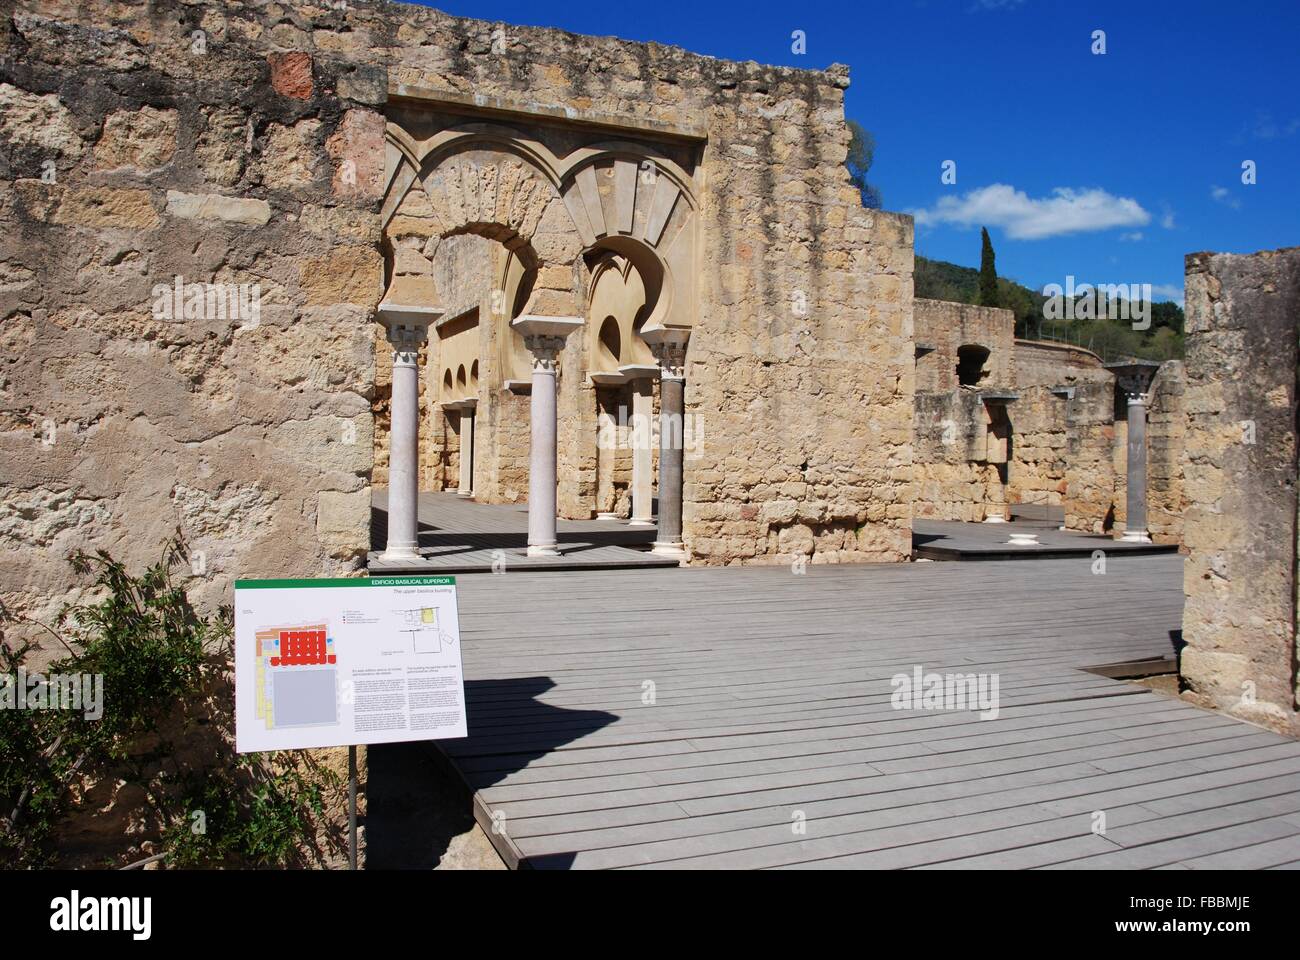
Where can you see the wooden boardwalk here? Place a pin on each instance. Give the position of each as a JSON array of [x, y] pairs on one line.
[[460, 536], [699, 717]]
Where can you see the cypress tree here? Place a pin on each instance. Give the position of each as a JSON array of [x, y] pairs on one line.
[[988, 289]]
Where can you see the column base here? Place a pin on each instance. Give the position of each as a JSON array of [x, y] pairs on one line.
[[543, 550], [675, 550], [608, 515], [638, 522], [400, 553], [1135, 536], [465, 493], [995, 519]]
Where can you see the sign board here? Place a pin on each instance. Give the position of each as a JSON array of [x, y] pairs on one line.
[[328, 663]]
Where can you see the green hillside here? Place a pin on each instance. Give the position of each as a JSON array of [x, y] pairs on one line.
[[1111, 339]]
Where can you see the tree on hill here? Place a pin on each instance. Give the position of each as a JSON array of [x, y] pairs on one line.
[[862, 152], [940, 280], [988, 291]]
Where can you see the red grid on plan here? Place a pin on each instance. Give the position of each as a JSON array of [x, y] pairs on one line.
[[302, 648]]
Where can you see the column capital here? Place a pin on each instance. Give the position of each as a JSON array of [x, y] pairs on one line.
[[406, 327], [1135, 378], [544, 337], [668, 344]]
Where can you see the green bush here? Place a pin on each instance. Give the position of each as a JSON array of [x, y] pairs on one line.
[[167, 729]]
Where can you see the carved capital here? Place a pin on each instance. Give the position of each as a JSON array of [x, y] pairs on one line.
[[405, 339], [1135, 379], [669, 348], [545, 349]]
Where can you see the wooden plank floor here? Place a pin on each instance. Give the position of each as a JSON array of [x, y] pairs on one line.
[[458, 535], [771, 708]]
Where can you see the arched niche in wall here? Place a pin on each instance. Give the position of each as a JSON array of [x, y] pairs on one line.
[[972, 364], [617, 308]]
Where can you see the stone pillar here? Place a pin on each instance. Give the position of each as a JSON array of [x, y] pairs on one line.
[[607, 441], [1135, 522], [1135, 380], [669, 347], [997, 458], [643, 402], [544, 337], [465, 484], [407, 328]]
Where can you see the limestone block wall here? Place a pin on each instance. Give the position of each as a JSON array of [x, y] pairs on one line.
[[952, 472], [954, 478], [1092, 459], [799, 368], [225, 145], [1239, 621], [1055, 383], [1166, 438], [232, 143], [944, 327]]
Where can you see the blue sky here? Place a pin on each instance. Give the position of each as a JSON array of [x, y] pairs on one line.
[[1105, 167]]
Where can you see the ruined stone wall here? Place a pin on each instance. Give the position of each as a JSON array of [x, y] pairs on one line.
[[242, 143], [1239, 621], [1166, 431], [953, 477], [942, 327], [1094, 453], [799, 369], [222, 144], [1059, 416]]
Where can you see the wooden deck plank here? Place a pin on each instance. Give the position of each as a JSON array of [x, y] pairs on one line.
[[773, 694]]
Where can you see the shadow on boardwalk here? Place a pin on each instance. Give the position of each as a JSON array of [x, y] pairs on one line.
[[417, 803]]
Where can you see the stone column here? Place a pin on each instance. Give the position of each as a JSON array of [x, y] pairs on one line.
[[465, 484], [643, 402], [407, 328], [1135, 380], [669, 347], [544, 337]]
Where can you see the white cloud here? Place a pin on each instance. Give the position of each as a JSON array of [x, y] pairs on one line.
[[1165, 291], [1224, 196], [1133, 237], [1027, 218], [1266, 128], [1167, 218]]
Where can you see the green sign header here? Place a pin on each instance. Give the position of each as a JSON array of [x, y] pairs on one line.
[[414, 581]]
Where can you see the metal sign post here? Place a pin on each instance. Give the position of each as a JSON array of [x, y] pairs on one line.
[[352, 808]]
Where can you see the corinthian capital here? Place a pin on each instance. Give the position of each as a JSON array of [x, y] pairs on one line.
[[668, 344], [544, 337]]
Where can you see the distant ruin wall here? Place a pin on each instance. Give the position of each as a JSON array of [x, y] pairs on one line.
[[1239, 621], [955, 477], [1059, 387]]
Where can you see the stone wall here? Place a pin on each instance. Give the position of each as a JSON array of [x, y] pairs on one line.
[[799, 370], [1239, 621], [1062, 391], [1166, 438], [954, 477], [224, 145], [242, 143]]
